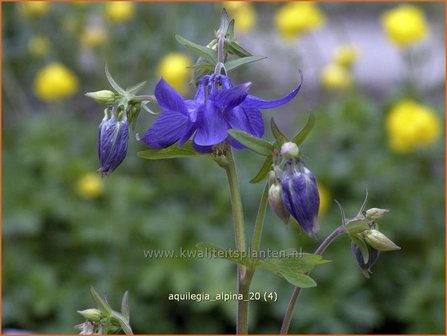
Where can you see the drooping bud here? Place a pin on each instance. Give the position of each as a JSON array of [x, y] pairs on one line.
[[104, 96], [275, 201], [300, 195], [113, 137], [372, 259], [356, 225], [375, 213], [290, 150], [91, 314], [379, 241]]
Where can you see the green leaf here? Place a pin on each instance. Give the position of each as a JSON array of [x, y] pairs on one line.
[[224, 21], [125, 306], [230, 30], [124, 323], [103, 306], [300, 280], [257, 145], [134, 89], [171, 152], [266, 167], [238, 257], [279, 136], [236, 63], [294, 269], [235, 49], [113, 83], [301, 136], [206, 53]]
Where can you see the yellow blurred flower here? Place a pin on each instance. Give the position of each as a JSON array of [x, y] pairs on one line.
[[410, 126], [90, 186], [335, 77], [119, 11], [33, 9], [405, 25], [346, 55], [93, 37], [325, 200], [243, 13], [55, 82], [173, 68], [295, 18], [38, 45]]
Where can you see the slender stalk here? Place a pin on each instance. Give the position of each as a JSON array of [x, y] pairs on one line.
[[243, 279], [297, 291], [141, 98], [257, 232]]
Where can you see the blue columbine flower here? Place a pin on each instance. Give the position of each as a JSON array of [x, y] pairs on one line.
[[113, 136], [300, 195], [217, 107]]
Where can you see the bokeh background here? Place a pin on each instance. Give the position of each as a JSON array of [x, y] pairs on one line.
[[373, 77]]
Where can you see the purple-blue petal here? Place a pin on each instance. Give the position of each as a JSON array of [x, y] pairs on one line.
[[212, 127], [167, 129], [252, 101], [245, 119], [300, 196], [168, 98], [227, 99], [202, 149]]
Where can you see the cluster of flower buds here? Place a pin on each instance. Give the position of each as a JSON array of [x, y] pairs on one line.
[[293, 190], [366, 240], [123, 108], [104, 320]]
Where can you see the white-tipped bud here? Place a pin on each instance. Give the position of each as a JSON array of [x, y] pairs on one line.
[[91, 314], [103, 96], [379, 241], [275, 201], [375, 213], [290, 150]]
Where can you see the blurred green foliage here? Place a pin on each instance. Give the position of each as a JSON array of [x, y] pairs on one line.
[[56, 243]]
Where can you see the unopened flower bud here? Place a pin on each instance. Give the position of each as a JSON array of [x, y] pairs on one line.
[[91, 314], [375, 213], [289, 150], [300, 195], [103, 96], [372, 259], [379, 241], [113, 136], [275, 201]]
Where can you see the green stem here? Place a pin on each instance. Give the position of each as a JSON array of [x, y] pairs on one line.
[[243, 277], [142, 98], [257, 233], [296, 293]]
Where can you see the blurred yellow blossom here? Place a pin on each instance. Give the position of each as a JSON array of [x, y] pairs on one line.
[[334, 76], [411, 126], [90, 186], [119, 11], [346, 55], [173, 68], [55, 82], [93, 37], [243, 13], [33, 9], [325, 200], [405, 25], [295, 18], [38, 45]]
